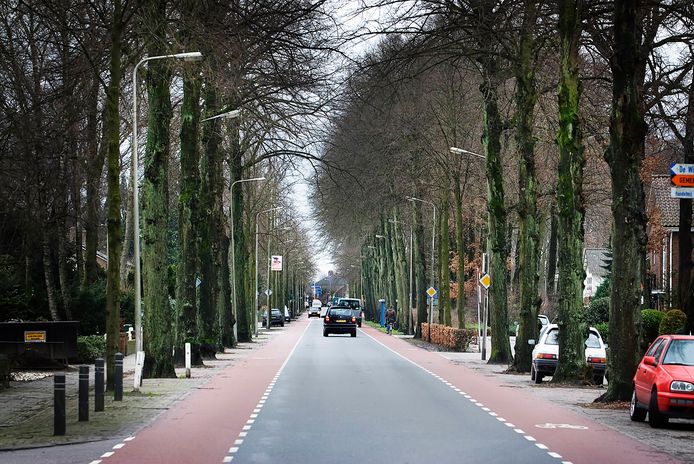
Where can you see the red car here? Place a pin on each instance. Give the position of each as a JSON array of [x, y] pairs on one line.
[[664, 381]]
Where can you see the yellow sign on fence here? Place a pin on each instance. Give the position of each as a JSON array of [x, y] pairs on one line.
[[34, 336]]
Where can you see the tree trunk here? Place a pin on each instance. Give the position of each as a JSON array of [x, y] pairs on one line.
[[158, 323], [95, 166], [552, 254], [491, 140], [49, 275], [624, 156], [188, 219], [685, 279], [570, 201], [529, 235], [444, 271], [209, 234], [128, 238], [112, 139], [419, 267], [460, 251], [239, 253]]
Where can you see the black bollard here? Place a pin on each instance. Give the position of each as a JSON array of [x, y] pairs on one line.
[[59, 404], [83, 401], [99, 385], [118, 380]]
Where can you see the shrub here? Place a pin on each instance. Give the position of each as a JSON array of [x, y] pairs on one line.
[[598, 311], [90, 347], [449, 337], [673, 322], [604, 329], [650, 320]]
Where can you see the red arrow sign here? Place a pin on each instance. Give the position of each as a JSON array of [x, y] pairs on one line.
[[683, 180]]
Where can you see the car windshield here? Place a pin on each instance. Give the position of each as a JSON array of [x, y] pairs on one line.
[[341, 312], [275, 312], [354, 304], [552, 337], [593, 341], [680, 352]]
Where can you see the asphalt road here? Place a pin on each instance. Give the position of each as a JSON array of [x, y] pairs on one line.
[[353, 400]]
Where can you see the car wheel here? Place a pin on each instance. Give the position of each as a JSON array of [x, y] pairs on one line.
[[282, 324], [532, 372], [359, 325], [325, 333], [598, 380], [636, 412], [354, 333], [655, 418], [538, 378]]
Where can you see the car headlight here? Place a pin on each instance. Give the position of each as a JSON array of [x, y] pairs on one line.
[[679, 386]]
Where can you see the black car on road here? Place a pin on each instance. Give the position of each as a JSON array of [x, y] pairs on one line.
[[353, 303], [276, 318], [339, 319]]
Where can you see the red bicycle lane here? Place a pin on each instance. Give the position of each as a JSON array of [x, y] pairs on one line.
[[574, 439], [204, 426]]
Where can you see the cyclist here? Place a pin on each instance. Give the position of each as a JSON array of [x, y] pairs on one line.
[[390, 319]]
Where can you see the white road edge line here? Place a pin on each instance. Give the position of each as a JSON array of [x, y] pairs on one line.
[[554, 455], [260, 404]]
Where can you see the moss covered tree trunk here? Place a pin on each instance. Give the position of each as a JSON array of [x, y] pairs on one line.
[[685, 278], [491, 140], [112, 138], [570, 201], [444, 271], [624, 156], [419, 269], [460, 251], [529, 234], [158, 314], [189, 219], [209, 231]]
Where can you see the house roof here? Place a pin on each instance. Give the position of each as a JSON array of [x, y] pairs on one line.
[[669, 207], [597, 261]]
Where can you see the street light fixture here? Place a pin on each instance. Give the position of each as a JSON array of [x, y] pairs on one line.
[[228, 115], [233, 251], [460, 151], [187, 56], [433, 258], [255, 308]]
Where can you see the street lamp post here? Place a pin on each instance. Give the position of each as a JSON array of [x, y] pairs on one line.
[[433, 259], [233, 250], [255, 307], [188, 56]]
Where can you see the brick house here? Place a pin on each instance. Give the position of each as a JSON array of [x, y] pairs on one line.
[[663, 233]]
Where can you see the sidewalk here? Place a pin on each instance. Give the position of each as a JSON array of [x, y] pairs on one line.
[[26, 418]]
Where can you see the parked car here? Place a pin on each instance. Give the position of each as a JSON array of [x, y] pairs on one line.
[[314, 310], [340, 319], [275, 319], [546, 354], [287, 317], [664, 381], [355, 304], [542, 322]]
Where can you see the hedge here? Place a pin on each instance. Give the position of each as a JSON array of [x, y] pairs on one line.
[[598, 311], [673, 322], [650, 320], [91, 347], [449, 337]]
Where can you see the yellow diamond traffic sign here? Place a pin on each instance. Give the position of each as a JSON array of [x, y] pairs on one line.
[[431, 291], [486, 281]]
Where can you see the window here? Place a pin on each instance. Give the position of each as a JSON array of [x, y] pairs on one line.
[[552, 337], [593, 341], [680, 352], [653, 347]]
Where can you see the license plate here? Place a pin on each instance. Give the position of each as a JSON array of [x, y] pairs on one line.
[[341, 320]]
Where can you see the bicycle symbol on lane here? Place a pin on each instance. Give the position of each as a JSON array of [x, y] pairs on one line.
[[549, 425]]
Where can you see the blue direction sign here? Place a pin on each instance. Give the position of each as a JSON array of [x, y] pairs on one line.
[[681, 192], [317, 290], [679, 168]]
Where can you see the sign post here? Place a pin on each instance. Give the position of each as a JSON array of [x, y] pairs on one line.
[[431, 291], [486, 282], [682, 178]]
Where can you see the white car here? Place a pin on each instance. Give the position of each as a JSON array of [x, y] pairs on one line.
[[546, 354], [314, 310]]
